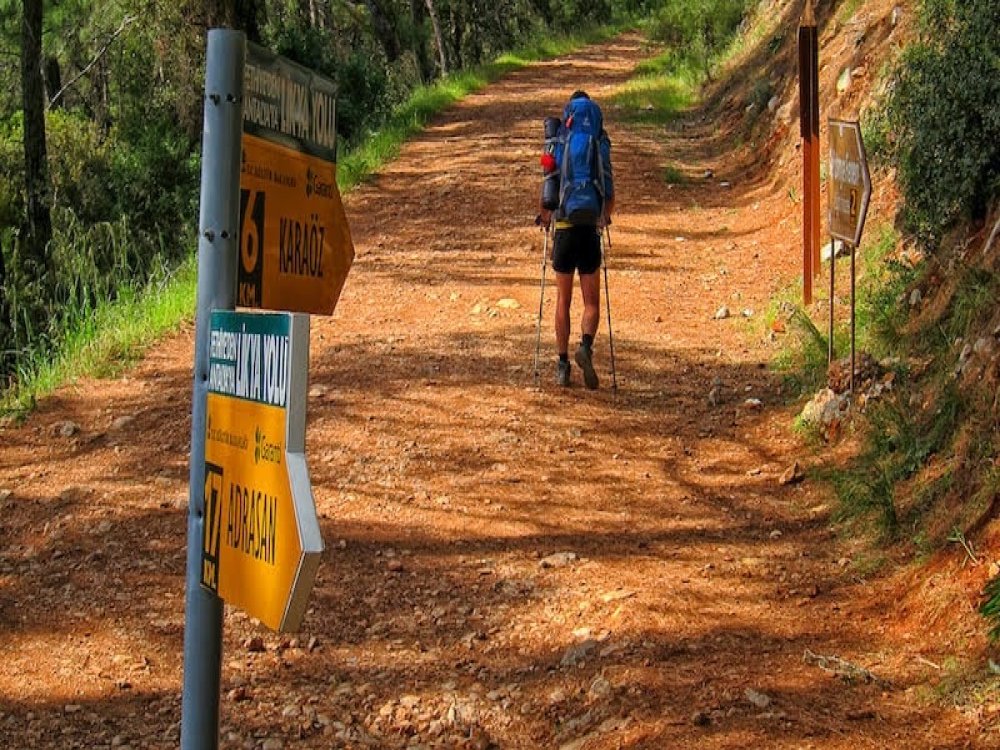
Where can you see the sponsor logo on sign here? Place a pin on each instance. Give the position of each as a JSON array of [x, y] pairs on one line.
[[317, 186], [264, 450]]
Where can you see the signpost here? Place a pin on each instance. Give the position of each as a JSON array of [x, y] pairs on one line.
[[272, 234], [217, 233], [261, 543], [295, 245], [850, 181], [849, 194]]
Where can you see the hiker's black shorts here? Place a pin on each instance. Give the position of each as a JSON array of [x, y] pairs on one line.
[[576, 248]]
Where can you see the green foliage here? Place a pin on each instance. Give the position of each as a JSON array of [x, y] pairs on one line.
[[974, 300], [876, 135], [945, 114], [761, 94], [698, 29], [881, 310], [897, 444], [11, 176], [108, 338], [656, 98], [80, 166], [365, 90], [673, 176], [364, 98], [154, 177], [693, 35], [991, 606], [120, 211]]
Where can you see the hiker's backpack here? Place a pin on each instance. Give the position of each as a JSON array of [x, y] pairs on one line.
[[584, 162]]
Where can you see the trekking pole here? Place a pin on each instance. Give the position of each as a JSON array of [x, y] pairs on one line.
[[541, 297], [607, 300]]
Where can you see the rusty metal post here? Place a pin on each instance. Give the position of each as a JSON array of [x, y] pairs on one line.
[[814, 223], [809, 131]]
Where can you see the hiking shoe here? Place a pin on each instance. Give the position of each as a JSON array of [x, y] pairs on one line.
[[584, 358], [562, 372]]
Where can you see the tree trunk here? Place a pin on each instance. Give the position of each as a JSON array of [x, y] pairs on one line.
[[438, 39], [456, 38], [383, 27], [475, 35], [250, 17], [317, 15], [53, 82], [245, 15], [544, 9], [37, 230], [6, 346], [418, 14]]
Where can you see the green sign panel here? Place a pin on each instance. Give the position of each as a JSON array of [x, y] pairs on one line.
[[262, 544]]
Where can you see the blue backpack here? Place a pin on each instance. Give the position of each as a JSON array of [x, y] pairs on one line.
[[584, 163]]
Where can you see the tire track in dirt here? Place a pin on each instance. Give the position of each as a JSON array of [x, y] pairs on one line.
[[506, 566]]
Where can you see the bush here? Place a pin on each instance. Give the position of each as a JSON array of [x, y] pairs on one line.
[[154, 181], [11, 175], [79, 166], [698, 29], [120, 210], [944, 113]]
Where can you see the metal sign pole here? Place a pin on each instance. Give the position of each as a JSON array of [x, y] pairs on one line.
[[853, 308], [218, 237], [833, 270]]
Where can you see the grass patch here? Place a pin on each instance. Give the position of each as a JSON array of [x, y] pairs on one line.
[[664, 86], [108, 340], [879, 316], [673, 176], [802, 362], [898, 443], [899, 439], [866, 565], [847, 10], [975, 299]]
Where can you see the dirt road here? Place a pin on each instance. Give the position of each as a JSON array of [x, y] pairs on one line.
[[507, 566]]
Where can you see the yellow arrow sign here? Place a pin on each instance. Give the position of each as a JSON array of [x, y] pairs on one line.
[[295, 244], [262, 543]]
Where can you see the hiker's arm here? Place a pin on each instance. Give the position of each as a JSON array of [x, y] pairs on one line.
[[544, 217]]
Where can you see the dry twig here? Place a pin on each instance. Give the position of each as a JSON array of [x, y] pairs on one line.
[[126, 22], [843, 669]]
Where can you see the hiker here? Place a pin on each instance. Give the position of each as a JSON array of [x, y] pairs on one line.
[[586, 198]]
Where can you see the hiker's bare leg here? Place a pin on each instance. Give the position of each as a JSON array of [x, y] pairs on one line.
[[564, 297], [590, 289]]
